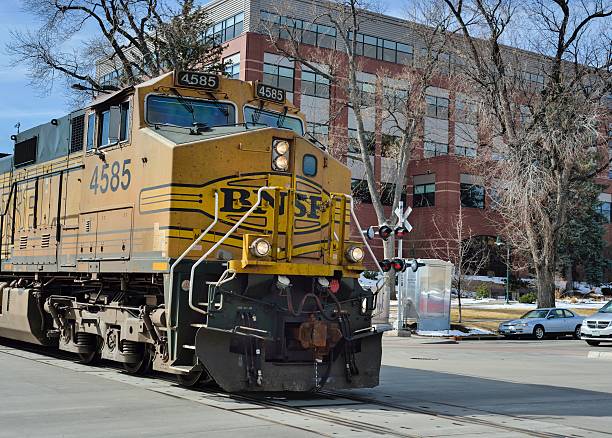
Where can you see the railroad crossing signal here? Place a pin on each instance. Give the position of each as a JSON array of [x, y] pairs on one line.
[[400, 265], [385, 231]]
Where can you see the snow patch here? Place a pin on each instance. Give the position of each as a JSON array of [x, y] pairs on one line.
[[446, 333]]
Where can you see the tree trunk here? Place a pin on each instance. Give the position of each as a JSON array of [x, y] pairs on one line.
[[546, 286], [384, 297], [569, 278]]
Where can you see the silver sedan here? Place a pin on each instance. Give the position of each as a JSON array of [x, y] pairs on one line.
[[540, 322]]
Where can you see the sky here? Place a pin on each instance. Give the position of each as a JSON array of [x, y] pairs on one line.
[[19, 101]]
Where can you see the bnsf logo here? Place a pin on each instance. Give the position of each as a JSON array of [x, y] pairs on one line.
[[241, 200]]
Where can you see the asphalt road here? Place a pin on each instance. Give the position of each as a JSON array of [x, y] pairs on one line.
[[428, 388]]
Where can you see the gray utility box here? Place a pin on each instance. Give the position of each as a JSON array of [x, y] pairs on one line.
[[425, 296]]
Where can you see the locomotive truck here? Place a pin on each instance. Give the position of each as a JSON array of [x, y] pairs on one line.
[[187, 225]]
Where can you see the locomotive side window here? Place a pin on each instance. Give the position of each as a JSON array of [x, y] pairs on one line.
[[179, 111], [309, 165], [113, 125], [91, 130], [272, 119]]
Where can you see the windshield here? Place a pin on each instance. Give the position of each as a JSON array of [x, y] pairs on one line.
[[270, 118], [607, 308], [180, 111], [535, 314]]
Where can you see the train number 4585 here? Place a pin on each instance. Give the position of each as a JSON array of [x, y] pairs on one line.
[[111, 176]]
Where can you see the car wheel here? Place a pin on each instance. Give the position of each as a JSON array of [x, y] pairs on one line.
[[539, 332], [593, 343], [577, 332]]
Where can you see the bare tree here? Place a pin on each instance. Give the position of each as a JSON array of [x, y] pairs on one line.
[[400, 98], [137, 38], [459, 245], [543, 109]]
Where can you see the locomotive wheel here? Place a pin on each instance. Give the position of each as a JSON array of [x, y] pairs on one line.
[[143, 366], [92, 357], [194, 378]]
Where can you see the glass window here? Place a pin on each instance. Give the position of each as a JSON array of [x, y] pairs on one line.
[[232, 69], [386, 50], [271, 118], [437, 107], [91, 130], [353, 146], [227, 29], [360, 190], [603, 208], [315, 84], [303, 31], [390, 146], [465, 151], [424, 195], [177, 111], [320, 131], [568, 313], [472, 196], [278, 76], [434, 149], [124, 130], [103, 138], [309, 165], [387, 193]]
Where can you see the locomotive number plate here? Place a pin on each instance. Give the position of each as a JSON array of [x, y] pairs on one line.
[[206, 81], [273, 94]]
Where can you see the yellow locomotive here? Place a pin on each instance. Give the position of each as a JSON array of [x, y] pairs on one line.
[[186, 224]]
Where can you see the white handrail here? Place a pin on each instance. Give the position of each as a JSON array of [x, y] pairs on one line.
[[361, 233], [178, 260], [216, 245]]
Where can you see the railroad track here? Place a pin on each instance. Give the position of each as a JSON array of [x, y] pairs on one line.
[[315, 406]]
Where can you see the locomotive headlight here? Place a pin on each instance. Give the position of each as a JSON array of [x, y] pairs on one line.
[[281, 163], [260, 247], [280, 155], [355, 254], [281, 147]]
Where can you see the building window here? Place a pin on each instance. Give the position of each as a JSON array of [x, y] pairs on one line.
[[366, 93], [386, 50], [433, 149], [227, 29], [110, 79], [387, 192], [465, 111], [437, 107], [319, 131], [603, 208], [303, 31], [472, 196], [232, 69], [315, 84], [424, 195], [278, 76], [360, 190], [390, 146], [353, 146], [465, 151], [533, 79]]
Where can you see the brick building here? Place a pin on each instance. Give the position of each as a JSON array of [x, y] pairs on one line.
[[440, 176]]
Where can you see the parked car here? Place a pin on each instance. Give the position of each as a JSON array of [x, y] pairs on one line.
[[598, 327], [540, 322]]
